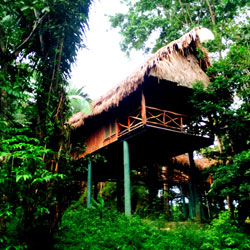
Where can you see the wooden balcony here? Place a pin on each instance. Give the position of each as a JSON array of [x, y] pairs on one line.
[[152, 116]]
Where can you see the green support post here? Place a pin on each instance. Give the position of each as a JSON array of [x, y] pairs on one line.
[[194, 186], [127, 193], [89, 184]]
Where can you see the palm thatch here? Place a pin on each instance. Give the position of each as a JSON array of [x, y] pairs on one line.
[[176, 62], [77, 120], [201, 163]]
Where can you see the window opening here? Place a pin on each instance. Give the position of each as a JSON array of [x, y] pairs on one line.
[[109, 129]]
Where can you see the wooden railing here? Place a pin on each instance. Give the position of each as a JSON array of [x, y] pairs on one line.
[[130, 123], [154, 116]]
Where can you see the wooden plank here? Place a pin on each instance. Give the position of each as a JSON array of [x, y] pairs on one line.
[[117, 127], [136, 118], [121, 125], [181, 123], [162, 125], [162, 110], [125, 131], [174, 121]]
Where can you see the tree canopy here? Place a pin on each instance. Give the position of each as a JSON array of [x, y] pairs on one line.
[[149, 25], [39, 41], [225, 105]]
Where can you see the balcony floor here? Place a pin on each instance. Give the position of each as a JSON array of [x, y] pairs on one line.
[[150, 144]]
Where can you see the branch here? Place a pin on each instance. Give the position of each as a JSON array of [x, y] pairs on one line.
[[59, 106], [199, 17], [40, 34], [19, 47], [211, 12], [176, 17], [189, 15], [183, 12]]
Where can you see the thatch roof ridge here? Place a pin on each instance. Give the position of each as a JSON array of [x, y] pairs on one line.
[[174, 62]]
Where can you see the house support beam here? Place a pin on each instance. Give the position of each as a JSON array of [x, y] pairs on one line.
[[126, 165], [89, 184], [194, 187]]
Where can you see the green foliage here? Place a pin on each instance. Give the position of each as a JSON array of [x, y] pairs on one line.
[[38, 43], [165, 21], [237, 172], [224, 234], [85, 229], [224, 105], [79, 101]]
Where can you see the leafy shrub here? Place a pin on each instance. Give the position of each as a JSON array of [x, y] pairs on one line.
[[224, 234], [85, 229]]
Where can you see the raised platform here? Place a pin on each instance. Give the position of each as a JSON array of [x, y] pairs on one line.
[[147, 145]]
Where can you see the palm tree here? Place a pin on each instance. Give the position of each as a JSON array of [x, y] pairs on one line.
[[79, 101]]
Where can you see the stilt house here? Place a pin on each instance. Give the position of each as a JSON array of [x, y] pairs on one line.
[[144, 119]]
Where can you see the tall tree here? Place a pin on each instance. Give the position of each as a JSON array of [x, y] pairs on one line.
[[148, 25], [38, 43], [225, 105]]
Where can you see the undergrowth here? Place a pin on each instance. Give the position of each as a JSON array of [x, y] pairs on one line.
[[106, 229]]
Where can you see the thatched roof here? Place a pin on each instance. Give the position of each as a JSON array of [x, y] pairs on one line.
[[200, 163], [77, 120], [176, 62]]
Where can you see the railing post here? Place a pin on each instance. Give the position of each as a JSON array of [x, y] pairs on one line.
[[128, 123], [143, 109], [117, 130], [181, 123]]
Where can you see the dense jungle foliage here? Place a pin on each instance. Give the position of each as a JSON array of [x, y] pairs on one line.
[[39, 41], [39, 180], [94, 229]]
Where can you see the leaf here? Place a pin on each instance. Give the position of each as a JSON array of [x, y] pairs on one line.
[[25, 8], [24, 177], [6, 19], [46, 9]]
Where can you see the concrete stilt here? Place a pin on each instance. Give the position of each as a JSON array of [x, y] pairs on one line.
[[89, 184], [127, 192]]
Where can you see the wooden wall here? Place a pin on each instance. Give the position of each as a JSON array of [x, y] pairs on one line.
[[97, 140]]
